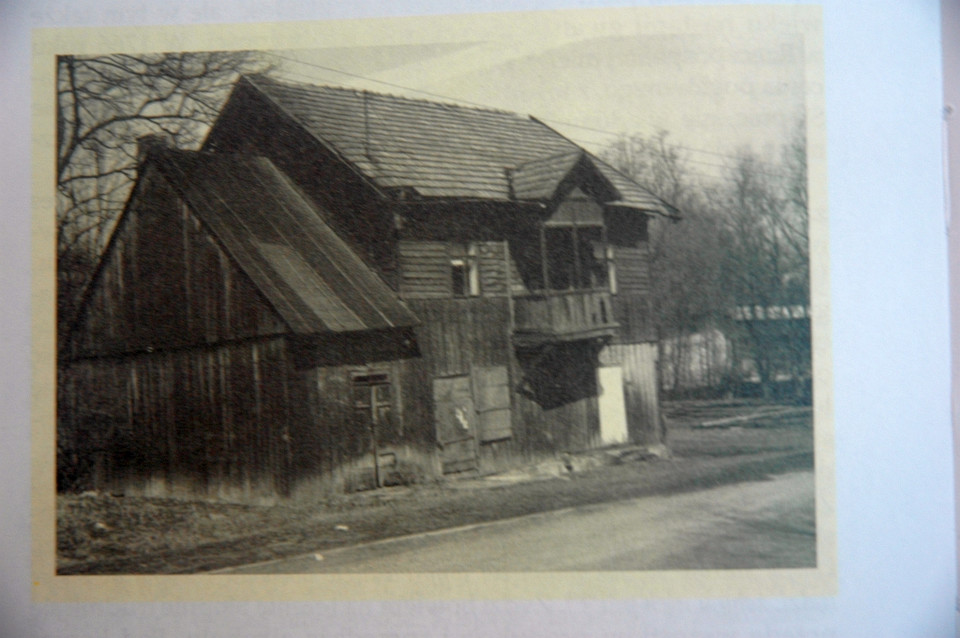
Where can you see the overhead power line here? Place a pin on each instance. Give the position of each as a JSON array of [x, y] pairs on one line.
[[390, 84], [551, 121]]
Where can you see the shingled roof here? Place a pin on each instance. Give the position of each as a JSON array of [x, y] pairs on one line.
[[538, 178], [442, 150], [312, 278]]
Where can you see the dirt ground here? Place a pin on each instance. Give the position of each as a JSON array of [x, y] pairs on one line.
[[712, 443]]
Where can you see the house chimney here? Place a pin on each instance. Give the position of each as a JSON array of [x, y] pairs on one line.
[[149, 143]]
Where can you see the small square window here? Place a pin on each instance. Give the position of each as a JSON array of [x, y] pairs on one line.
[[371, 398]]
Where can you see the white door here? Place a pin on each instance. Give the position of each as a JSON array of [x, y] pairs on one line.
[[613, 411]]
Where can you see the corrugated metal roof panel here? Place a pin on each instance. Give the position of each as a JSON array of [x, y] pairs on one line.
[[310, 275]]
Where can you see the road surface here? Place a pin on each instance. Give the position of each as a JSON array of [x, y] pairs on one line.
[[763, 524]]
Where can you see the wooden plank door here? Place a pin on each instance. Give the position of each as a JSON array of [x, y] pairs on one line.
[[613, 411], [456, 424], [491, 392]]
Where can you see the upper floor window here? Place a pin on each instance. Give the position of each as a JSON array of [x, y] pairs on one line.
[[464, 270], [577, 257], [575, 251]]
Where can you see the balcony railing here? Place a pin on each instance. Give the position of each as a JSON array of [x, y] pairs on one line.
[[562, 316]]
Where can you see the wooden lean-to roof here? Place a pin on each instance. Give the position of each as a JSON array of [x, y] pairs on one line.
[[312, 278], [442, 150]]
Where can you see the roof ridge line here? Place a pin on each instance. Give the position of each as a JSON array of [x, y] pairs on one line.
[[448, 102], [369, 179]]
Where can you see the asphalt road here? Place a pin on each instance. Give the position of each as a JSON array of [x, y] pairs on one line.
[[762, 524]]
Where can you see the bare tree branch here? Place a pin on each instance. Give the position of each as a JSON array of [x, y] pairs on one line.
[[743, 242], [104, 104]]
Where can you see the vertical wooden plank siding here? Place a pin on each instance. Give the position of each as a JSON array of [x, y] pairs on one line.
[[641, 388], [192, 421], [168, 284], [455, 333], [556, 398], [239, 420], [634, 314], [456, 337], [332, 443]]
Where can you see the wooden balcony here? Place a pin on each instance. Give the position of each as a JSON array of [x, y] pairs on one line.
[[553, 316]]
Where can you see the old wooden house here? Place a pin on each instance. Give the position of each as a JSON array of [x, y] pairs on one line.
[[342, 283]]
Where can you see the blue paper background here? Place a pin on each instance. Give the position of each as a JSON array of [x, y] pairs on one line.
[[890, 337]]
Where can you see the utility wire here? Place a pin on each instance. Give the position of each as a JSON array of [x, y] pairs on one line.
[[390, 84], [488, 107]]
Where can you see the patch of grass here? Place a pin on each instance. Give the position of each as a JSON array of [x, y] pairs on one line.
[[787, 431]]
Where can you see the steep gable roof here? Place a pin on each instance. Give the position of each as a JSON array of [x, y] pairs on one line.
[[312, 278], [442, 150], [539, 179]]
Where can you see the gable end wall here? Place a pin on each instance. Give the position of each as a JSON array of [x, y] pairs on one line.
[[167, 283]]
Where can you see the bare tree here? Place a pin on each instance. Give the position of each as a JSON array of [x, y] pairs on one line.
[[767, 260], [686, 257], [742, 242], [104, 104]]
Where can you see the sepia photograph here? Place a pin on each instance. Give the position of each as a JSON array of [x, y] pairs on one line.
[[536, 293]]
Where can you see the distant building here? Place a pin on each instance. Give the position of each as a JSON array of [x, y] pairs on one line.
[[773, 349], [760, 351]]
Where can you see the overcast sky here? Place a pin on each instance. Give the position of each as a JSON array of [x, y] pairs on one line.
[[715, 90]]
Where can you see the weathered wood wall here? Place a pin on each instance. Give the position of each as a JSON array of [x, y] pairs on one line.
[[634, 348], [211, 421], [632, 265], [457, 333], [241, 420], [460, 337], [166, 283], [180, 373], [628, 236], [553, 398], [634, 313], [640, 388], [425, 268], [553, 389], [334, 447]]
